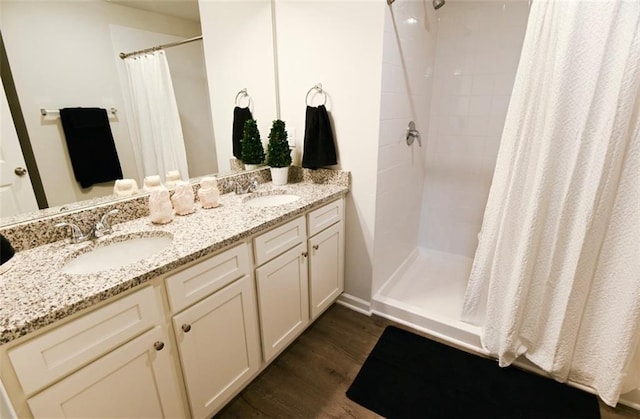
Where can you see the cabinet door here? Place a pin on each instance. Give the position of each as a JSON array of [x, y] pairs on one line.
[[283, 299], [326, 268], [138, 379], [219, 346]]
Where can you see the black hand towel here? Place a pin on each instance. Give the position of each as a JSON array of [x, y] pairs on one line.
[[93, 153], [319, 148], [6, 250], [240, 116]]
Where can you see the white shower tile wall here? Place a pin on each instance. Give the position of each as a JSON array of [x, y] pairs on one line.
[[476, 58], [407, 72]]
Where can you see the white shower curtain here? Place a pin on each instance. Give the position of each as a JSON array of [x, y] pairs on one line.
[[157, 132], [556, 276]]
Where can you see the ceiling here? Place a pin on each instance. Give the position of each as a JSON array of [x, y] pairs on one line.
[[185, 9]]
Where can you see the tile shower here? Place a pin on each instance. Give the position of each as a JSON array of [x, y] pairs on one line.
[[432, 198], [451, 71]]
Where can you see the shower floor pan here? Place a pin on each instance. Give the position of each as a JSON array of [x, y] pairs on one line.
[[427, 292]]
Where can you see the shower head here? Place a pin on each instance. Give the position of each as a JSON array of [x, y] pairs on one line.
[[438, 4]]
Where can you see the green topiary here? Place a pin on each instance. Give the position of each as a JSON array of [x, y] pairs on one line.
[[252, 151], [278, 151]]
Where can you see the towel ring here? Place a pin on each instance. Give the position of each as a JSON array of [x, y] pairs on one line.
[[318, 88], [242, 93]]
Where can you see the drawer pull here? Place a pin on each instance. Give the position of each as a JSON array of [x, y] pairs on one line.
[[158, 345], [315, 247], [305, 254], [186, 327]]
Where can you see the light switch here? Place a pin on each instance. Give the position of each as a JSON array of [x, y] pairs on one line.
[[291, 137]]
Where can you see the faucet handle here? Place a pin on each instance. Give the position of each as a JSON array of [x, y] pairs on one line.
[[105, 218], [233, 185], [104, 225], [253, 184], [76, 234]]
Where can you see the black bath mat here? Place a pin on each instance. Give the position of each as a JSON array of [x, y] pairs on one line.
[[408, 376]]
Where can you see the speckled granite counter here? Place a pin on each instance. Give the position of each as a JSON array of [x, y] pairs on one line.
[[35, 293]]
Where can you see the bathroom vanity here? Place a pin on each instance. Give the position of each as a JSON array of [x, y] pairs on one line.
[[181, 332]]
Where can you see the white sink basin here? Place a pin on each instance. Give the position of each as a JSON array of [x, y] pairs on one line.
[[271, 200], [116, 254]]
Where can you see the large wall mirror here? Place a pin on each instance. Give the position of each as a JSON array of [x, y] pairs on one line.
[[65, 54]]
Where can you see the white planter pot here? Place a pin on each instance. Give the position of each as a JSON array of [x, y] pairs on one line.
[[279, 175], [251, 166]]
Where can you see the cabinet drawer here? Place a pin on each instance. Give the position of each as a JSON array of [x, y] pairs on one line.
[[325, 216], [192, 284], [61, 351], [279, 240]]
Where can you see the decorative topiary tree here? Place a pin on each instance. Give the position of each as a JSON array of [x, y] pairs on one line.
[[278, 151], [252, 150]]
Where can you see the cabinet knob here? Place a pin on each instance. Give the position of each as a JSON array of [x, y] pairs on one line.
[[304, 254], [158, 345], [186, 328], [20, 171], [315, 247]]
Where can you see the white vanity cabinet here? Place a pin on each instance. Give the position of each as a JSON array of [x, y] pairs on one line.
[[114, 361], [231, 314], [326, 268], [135, 380], [298, 277], [217, 337], [282, 284], [326, 256]]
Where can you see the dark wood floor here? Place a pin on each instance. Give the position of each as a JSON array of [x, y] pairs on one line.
[[310, 378]]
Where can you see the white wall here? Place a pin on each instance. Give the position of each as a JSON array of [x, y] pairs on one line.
[[49, 35], [339, 44], [407, 74], [238, 48], [477, 53]]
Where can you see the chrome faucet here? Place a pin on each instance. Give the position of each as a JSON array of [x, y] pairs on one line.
[[77, 236], [101, 228], [252, 187]]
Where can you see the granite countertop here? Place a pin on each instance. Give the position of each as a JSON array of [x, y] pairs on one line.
[[35, 293]]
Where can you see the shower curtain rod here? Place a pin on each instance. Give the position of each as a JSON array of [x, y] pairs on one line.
[[157, 47]]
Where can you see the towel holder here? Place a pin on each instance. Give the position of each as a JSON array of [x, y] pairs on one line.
[[318, 88], [242, 93], [56, 112]]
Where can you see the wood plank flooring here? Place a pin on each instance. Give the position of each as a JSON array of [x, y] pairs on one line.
[[310, 378]]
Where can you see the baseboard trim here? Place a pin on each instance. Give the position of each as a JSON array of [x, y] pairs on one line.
[[355, 303]]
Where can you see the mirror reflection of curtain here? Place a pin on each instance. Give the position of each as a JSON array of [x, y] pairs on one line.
[[157, 141]]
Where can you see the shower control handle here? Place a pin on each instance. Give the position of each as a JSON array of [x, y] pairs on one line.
[[413, 134]]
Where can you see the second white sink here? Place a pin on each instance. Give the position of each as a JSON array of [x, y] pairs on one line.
[[271, 200], [116, 254]]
